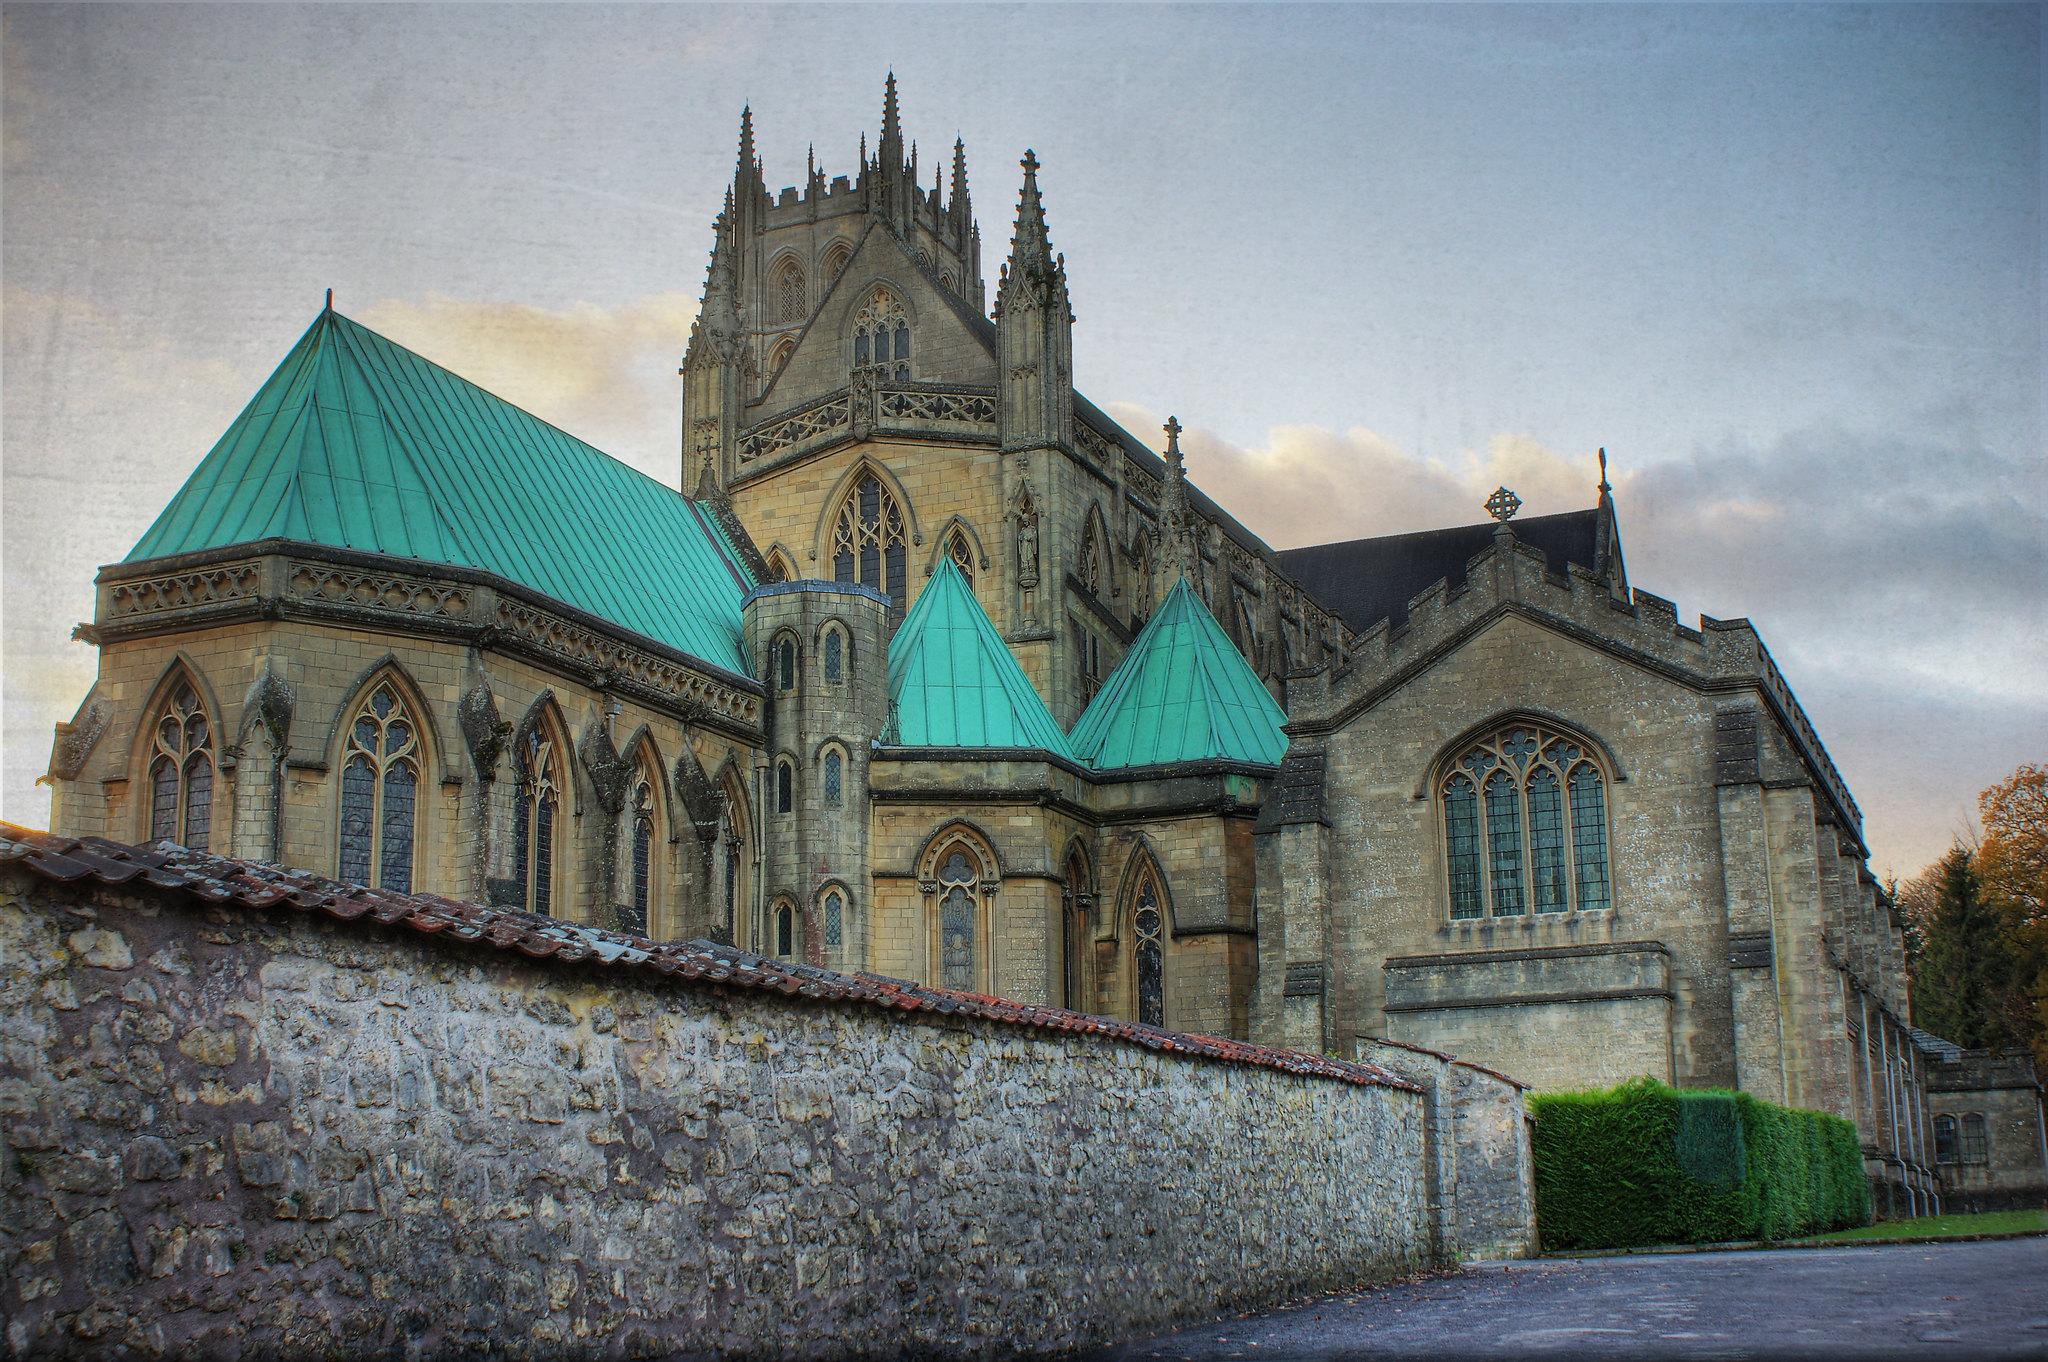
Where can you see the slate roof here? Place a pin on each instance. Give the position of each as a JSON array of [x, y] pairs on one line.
[[1181, 693], [226, 882], [358, 443], [953, 681], [1365, 581]]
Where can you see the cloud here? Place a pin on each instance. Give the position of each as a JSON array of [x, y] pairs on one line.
[[605, 375], [1898, 572]]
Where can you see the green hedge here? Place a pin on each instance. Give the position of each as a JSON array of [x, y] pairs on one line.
[[1648, 1164]]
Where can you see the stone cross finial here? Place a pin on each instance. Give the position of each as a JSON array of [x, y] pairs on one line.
[[1503, 504], [1173, 429]]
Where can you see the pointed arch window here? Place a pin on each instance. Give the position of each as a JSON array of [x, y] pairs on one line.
[[962, 554], [1148, 945], [1524, 814], [835, 261], [833, 773], [782, 929], [1092, 561], [1141, 581], [959, 876], [640, 865], [881, 337], [833, 648], [788, 291], [536, 818], [779, 569], [785, 664], [733, 833], [380, 778], [833, 909], [181, 772], [779, 356], [869, 542], [785, 785]]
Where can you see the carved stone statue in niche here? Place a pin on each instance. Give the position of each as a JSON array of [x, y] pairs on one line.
[[1027, 543]]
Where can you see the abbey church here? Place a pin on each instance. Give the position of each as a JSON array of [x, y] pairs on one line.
[[934, 671]]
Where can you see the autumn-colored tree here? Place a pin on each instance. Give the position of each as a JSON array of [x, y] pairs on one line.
[[2012, 864]]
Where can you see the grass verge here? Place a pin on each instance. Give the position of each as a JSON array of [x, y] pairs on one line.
[[1943, 1227]]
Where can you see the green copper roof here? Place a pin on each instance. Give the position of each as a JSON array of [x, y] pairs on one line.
[[953, 682], [358, 443], [1182, 693]]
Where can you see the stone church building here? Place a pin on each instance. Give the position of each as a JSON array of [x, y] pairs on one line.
[[936, 672]]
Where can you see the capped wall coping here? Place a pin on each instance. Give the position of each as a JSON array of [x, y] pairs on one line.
[[228, 882]]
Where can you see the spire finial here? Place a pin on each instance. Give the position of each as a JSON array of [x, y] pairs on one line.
[[330, 300], [891, 123], [1605, 490], [1503, 504], [746, 137], [1173, 428]]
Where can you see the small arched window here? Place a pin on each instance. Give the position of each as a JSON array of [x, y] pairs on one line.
[[785, 785], [535, 818], [1148, 944], [834, 767], [181, 772], [1976, 1141], [868, 540], [833, 909], [788, 286], [780, 353], [833, 648], [1944, 1139], [380, 778], [835, 260], [785, 664], [779, 569], [1525, 825], [782, 929], [881, 337], [962, 554]]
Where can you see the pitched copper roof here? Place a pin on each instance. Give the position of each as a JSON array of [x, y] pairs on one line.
[[228, 882], [1368, 580]]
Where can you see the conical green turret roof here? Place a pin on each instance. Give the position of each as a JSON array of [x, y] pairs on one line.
[[953, 682], [358, 443], [1182, 693]]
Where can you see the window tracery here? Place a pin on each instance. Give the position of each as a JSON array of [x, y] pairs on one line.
[[1148, 946], [959, 877], [790, 302], [962, 554], [835, 261], [380, 774], [641, 866], [181, 772], [1075, 900], [869, 540], [535, 818], [881, 337], [1524, 814]]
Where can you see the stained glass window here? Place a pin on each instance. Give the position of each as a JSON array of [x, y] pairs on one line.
[[959, 876], [881, 337], [1543, 837], [835, 657], [832, 765], [1504, 843], [533, 831], [379, 794], [785, 664], [835, 919], [1461, 836], [181, 773], [1148, 950], [868, 540]]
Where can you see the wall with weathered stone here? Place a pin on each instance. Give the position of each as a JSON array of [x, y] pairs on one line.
[[2004, 1089], [261, 1130]]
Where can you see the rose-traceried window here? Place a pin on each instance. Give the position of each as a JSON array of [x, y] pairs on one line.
[[1525, 825], [535, 819], [380, 780], [881, 337], [181, 772], [868, 540]]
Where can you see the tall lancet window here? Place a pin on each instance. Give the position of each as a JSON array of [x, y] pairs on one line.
[[788, 299], [181, 772], [881, 337], [1148, 944], [535, 819], [1524, 816], [868, 540], [380, 780]]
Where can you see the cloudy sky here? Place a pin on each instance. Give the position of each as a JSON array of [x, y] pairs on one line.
[[1784, 263]]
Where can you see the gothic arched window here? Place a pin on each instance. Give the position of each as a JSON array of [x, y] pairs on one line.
[[1525, 825], [785, 664], [833, 775], [1148, 944], [788, 291], [734, 828], [640, 866], [833, 908], [868, 540], [782, 929], [833, 649], [785, 785], [780, 353], [380, 780], [962, 554], [181, 772], [779, 569], [835, 260], [881, 337], [536, 817], [959, 878]]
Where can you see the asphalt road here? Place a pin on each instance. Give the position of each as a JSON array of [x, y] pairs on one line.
[[1955, 1302]]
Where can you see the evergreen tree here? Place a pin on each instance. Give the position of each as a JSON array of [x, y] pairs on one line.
[[1970, 966]]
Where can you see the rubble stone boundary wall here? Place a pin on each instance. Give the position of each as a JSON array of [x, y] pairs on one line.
[[236, 1129]]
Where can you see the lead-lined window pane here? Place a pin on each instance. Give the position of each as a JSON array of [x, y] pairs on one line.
[[1461, 838], [1504, 843], [1546, 841], [1589, 839]]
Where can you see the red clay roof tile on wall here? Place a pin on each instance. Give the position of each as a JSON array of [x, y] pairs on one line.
[[225, 881]]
